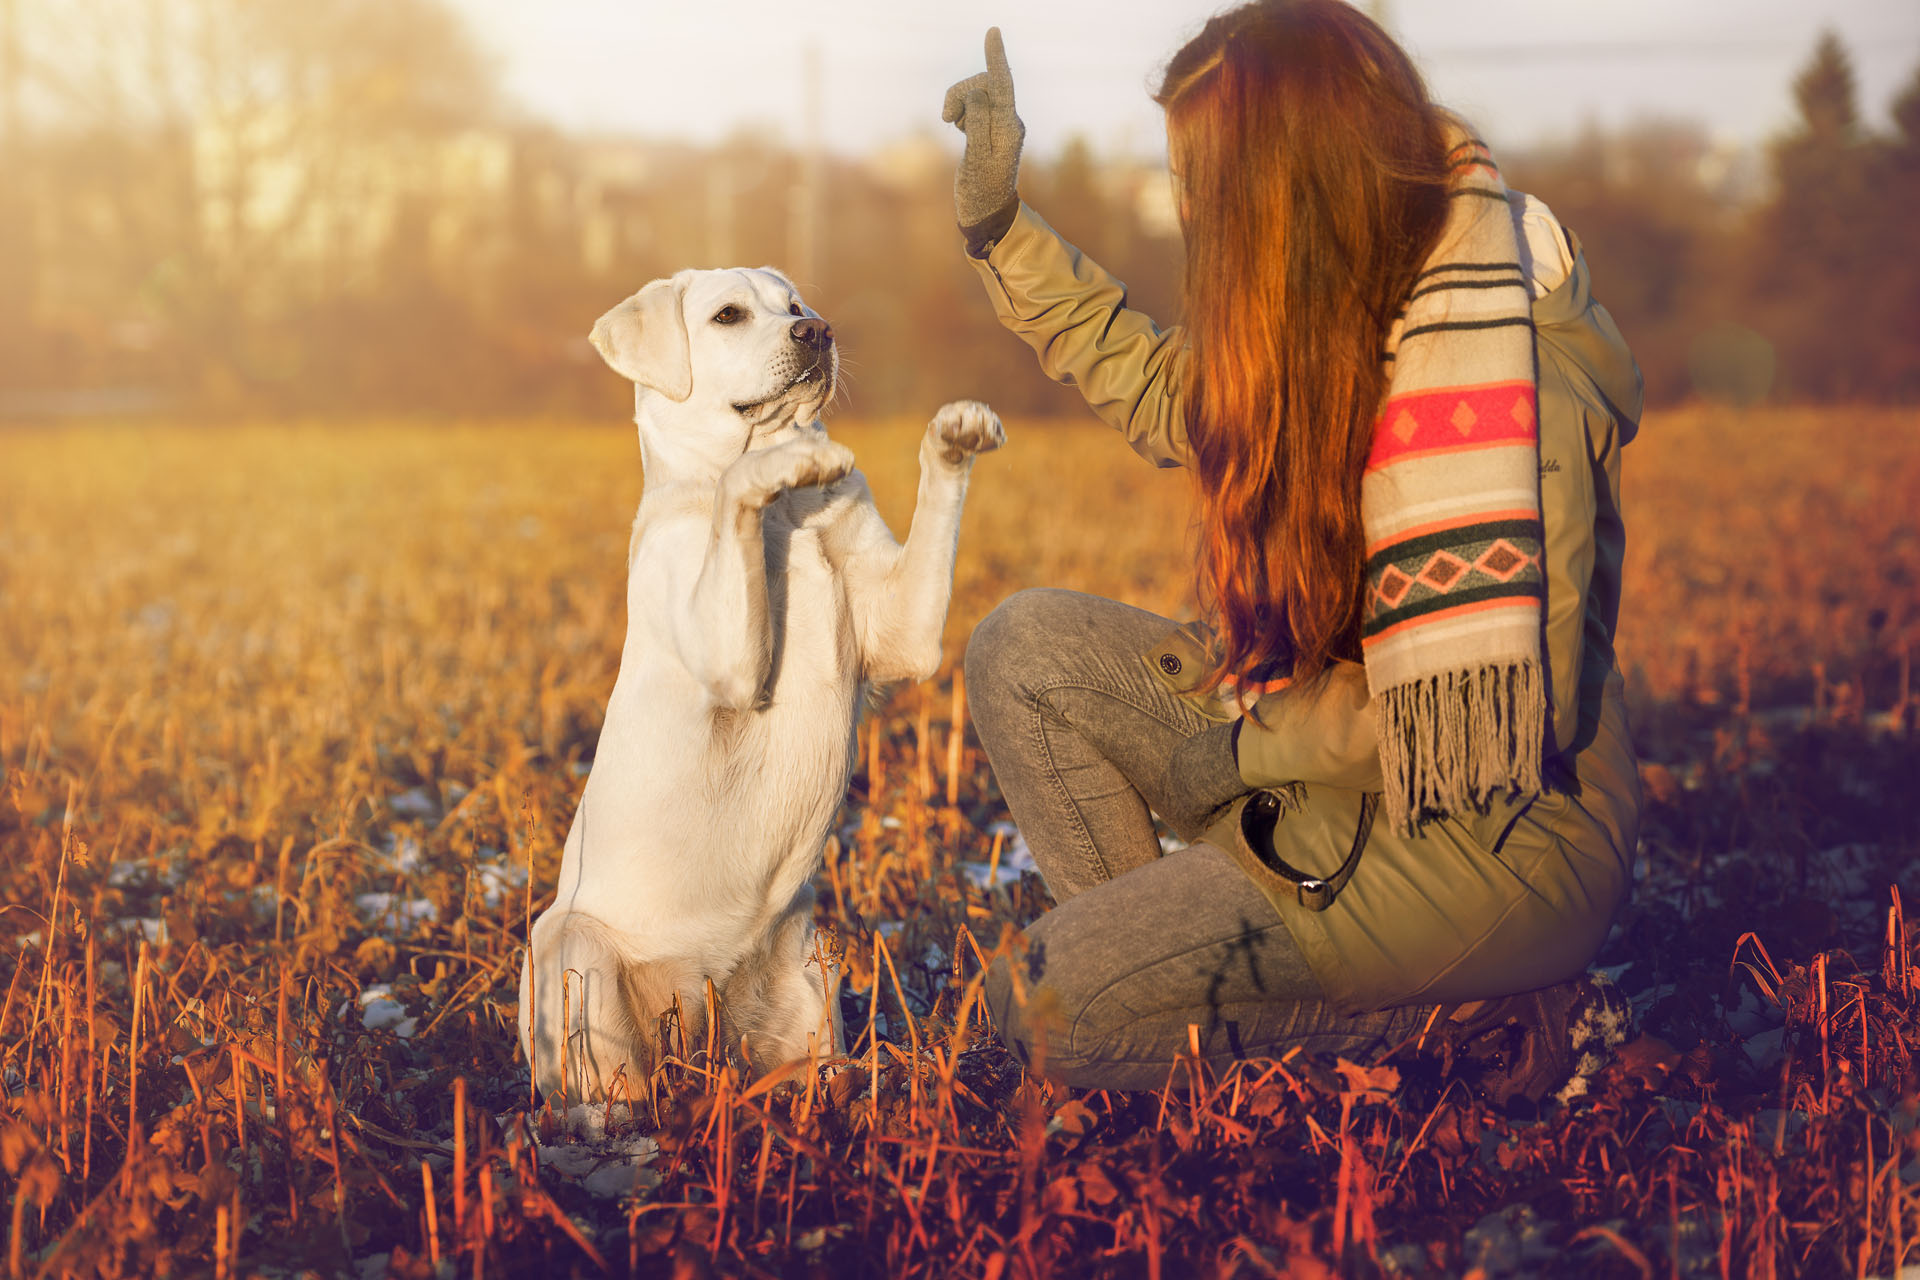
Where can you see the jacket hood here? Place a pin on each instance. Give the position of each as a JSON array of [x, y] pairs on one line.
[[1574, 322]]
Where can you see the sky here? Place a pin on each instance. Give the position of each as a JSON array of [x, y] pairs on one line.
[[1526, 71]]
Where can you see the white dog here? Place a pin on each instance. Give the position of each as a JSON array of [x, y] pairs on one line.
[[764, 595]]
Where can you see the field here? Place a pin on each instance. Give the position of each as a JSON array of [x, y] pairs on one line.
[[292, 721]]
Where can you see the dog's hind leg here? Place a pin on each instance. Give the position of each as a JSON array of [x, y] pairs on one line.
[[783, 1003], [609, 1005]]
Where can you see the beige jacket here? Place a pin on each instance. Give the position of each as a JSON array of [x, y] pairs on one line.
[[1478, 904]]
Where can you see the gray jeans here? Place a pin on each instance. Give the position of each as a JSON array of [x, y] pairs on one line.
[[1142, 945]]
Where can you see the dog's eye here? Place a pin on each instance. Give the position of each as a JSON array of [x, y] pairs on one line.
[[793, 309], [729, 314]]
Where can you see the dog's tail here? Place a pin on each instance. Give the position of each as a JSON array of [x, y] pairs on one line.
[[622, 1016]]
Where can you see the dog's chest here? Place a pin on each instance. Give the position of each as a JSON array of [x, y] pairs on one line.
[[806, 602]]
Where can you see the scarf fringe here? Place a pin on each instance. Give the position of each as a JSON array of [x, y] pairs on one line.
[[1456, 739]]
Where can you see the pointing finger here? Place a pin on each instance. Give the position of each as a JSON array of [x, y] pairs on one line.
[[997, 69]]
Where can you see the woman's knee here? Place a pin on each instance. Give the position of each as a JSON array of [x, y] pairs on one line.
[[1039, 999], [1005, 1010], [1021, 630], [1014, 649], [1031, 1021]]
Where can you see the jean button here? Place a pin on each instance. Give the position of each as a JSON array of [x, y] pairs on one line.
[[1170, 664]]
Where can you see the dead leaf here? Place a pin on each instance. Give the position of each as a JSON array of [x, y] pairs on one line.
[[1372, 1084], [1075, 1118], [1649, 1060], [1095, 1186]]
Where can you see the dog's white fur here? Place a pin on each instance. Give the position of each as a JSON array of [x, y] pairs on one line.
[[764, 595]]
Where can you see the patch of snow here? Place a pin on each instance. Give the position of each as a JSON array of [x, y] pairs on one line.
[[1503, 1241], [379, 1011], [1767, 1123], [982, 875], [1767, 1048], [1015, 857], [417, 802], [1888, 722], [1751, 1016], [153, 929], [391, 911], [403, 855], [1842, 871], [497, 878], [1645, 1000], [605, 1166], [162, 870]]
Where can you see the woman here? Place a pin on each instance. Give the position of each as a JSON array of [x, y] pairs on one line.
[[1402, 412]]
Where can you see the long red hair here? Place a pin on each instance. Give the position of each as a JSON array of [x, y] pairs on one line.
[[1312, 174]]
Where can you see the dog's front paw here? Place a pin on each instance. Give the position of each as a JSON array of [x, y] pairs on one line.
[[762, 476], [962, 428], [823, 461]]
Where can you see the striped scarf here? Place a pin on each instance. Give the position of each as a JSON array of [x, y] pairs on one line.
[[1450, 505]]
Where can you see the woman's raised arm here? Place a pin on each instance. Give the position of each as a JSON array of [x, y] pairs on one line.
[[1062, 304], [1074, 314]]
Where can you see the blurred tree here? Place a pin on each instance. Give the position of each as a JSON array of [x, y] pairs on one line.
[[1649, 229], [1815, 245], [1893, 282], [1824, 91], [210, 168], [1906, 115], [1068, 194]]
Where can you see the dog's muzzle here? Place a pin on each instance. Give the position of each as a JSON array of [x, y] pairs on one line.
[[805, 369]]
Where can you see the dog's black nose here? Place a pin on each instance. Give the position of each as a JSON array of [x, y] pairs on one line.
[[813, 333]]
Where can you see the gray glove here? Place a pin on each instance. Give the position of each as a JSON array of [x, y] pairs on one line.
[[981, 107], [1203, 777]]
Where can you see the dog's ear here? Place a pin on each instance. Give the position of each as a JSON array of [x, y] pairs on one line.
[[645, 340]]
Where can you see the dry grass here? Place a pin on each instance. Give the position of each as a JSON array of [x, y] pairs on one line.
[[250, 677]]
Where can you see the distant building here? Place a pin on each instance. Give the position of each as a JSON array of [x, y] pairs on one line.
[[333, 205]]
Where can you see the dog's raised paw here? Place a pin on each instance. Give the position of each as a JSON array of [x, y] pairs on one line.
[[962, 428], [814, 460]]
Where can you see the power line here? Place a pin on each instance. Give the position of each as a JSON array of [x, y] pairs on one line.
[[1523, 53]]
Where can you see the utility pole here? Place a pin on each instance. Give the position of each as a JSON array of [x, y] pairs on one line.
[[17, 256], [9, 80], [804, 222]]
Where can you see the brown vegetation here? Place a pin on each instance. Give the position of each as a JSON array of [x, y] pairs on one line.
[[251, 680]]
